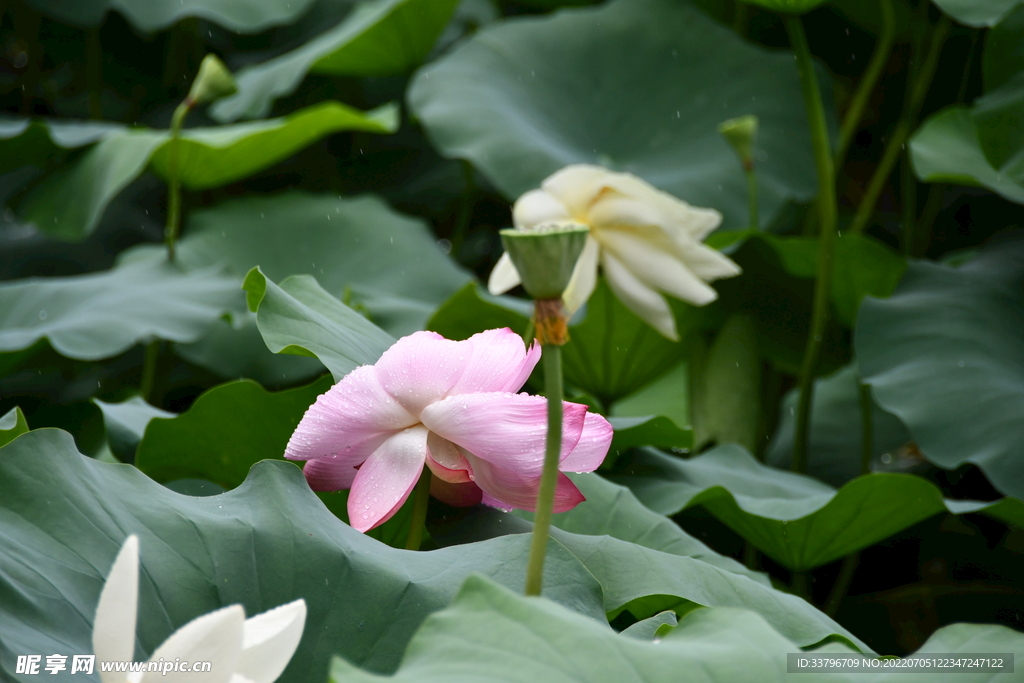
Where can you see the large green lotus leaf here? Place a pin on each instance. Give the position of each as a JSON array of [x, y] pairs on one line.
[[978, 13], [645, 582], [652, 627], [947, 148], [633, 85], [226, 431], [351, 245], [35, 141], [379, 38], [798, 521], [862, 266], [360, 250], [944, 354], [725, 387], [834, 448], [472, 309], [788, 6], [490, 633], [211, 157], [1004, 50], [89, 317], [299, 317], [63, 518], [613, 510], [611, 352], [243, 16], [12, 425], [70, 202], [236, 349], [125, 423]]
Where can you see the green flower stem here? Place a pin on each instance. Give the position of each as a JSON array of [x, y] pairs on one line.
[[149, 364], [826, 205], [421, 499], [898, 139], [842, 584], [173, 226], [752, 197], [552, 357], [867, 432], [868, 81]]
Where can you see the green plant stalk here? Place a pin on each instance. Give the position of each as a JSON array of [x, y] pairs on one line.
[[868, 81], [552, 358], [842, 584], [867, 431], [901, 133], [826, 204], [752, 197], [421, 500], [173, 226]]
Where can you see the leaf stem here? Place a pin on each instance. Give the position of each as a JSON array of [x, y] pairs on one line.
[[826, 204], [897, 141], [868, 81], [842, 584], [552, 358], [420, 504], [752, 197], [173, 226]]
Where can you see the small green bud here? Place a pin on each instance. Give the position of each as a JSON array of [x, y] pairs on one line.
[[545, 256], [213, 82], [740, 133]]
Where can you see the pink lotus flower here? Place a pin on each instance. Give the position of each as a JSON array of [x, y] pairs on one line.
[[450, 405]]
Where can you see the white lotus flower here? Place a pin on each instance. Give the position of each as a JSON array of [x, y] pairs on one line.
[[645, 240], [240, 650]]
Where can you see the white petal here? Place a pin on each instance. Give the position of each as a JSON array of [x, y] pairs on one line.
[[576, 187], [655, 267], [113, 631], [675, 214], [215, 637], [584, 277], [650, 306], [537, 207], [504, 276], [709, 264], [270, 640]]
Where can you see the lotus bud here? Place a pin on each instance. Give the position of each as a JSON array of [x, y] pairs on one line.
[[213, 82], [545, 256], [740, 133]]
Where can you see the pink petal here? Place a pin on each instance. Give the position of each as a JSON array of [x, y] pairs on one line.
[[350, 414], [457, 495], [498, 361], [591, 448], [507, 488], [420, 369], [506, 429], [387, 478], [329, 473], [445, 461]]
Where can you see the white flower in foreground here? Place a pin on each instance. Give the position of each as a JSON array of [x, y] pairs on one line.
[[240, 650], [645, 240]]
